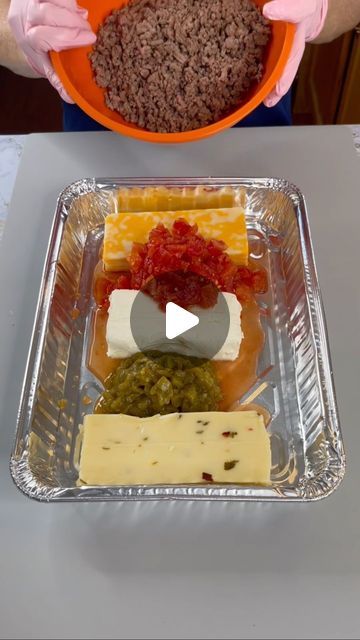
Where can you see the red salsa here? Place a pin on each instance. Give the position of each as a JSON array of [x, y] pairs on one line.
[[181, 266]]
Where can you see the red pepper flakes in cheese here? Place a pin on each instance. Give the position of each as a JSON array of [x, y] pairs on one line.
[[207, 477]]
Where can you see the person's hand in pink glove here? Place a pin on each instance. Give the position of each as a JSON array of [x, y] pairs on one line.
[[40, 26], [309, 17]]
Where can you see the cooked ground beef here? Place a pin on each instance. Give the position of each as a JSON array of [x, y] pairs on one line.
[[177, 65]]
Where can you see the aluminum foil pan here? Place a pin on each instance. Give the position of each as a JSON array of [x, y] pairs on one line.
[[308, 460]]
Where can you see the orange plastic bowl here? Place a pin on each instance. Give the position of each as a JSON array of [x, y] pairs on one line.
[[74, 69]]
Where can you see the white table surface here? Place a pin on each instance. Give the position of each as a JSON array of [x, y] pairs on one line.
[[184, 570]]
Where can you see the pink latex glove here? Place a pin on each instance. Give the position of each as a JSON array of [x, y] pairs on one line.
[[40, 26], [309, 16]]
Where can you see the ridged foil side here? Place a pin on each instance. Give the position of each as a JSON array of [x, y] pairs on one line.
[[308, 454]]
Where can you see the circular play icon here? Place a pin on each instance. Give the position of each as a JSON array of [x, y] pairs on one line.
[[178, 320], [211, 333]]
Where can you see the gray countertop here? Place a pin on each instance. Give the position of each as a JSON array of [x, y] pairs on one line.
[[11, 148], [184, 570]]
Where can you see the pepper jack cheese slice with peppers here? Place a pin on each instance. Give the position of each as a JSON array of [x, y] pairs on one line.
[[122, 229], [180, 448]]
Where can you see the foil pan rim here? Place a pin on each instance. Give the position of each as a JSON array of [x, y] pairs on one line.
[[23, 479]]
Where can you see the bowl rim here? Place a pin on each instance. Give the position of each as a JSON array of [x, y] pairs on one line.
[[185, 136]]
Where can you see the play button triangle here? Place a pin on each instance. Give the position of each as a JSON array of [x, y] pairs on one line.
[[178, 320]]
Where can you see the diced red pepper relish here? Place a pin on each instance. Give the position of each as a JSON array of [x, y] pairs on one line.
[[182, 249], [105, 282], [184, 289], [181, 266]]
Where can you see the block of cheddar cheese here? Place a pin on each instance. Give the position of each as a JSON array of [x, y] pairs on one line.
[[163, 198], [124, 228], [180, 448]]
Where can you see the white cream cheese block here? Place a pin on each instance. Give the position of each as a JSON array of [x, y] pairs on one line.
[[197, 342]]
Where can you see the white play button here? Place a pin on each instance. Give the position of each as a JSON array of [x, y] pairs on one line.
[[171, 328], [178, 320]]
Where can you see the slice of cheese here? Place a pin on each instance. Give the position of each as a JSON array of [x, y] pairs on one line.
[[150, 329], [178, 448], [178, 198], [124, 228]]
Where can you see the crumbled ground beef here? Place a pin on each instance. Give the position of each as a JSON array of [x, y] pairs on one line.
[[177, 65]]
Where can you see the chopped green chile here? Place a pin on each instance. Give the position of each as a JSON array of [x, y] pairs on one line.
[[149, 383]]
